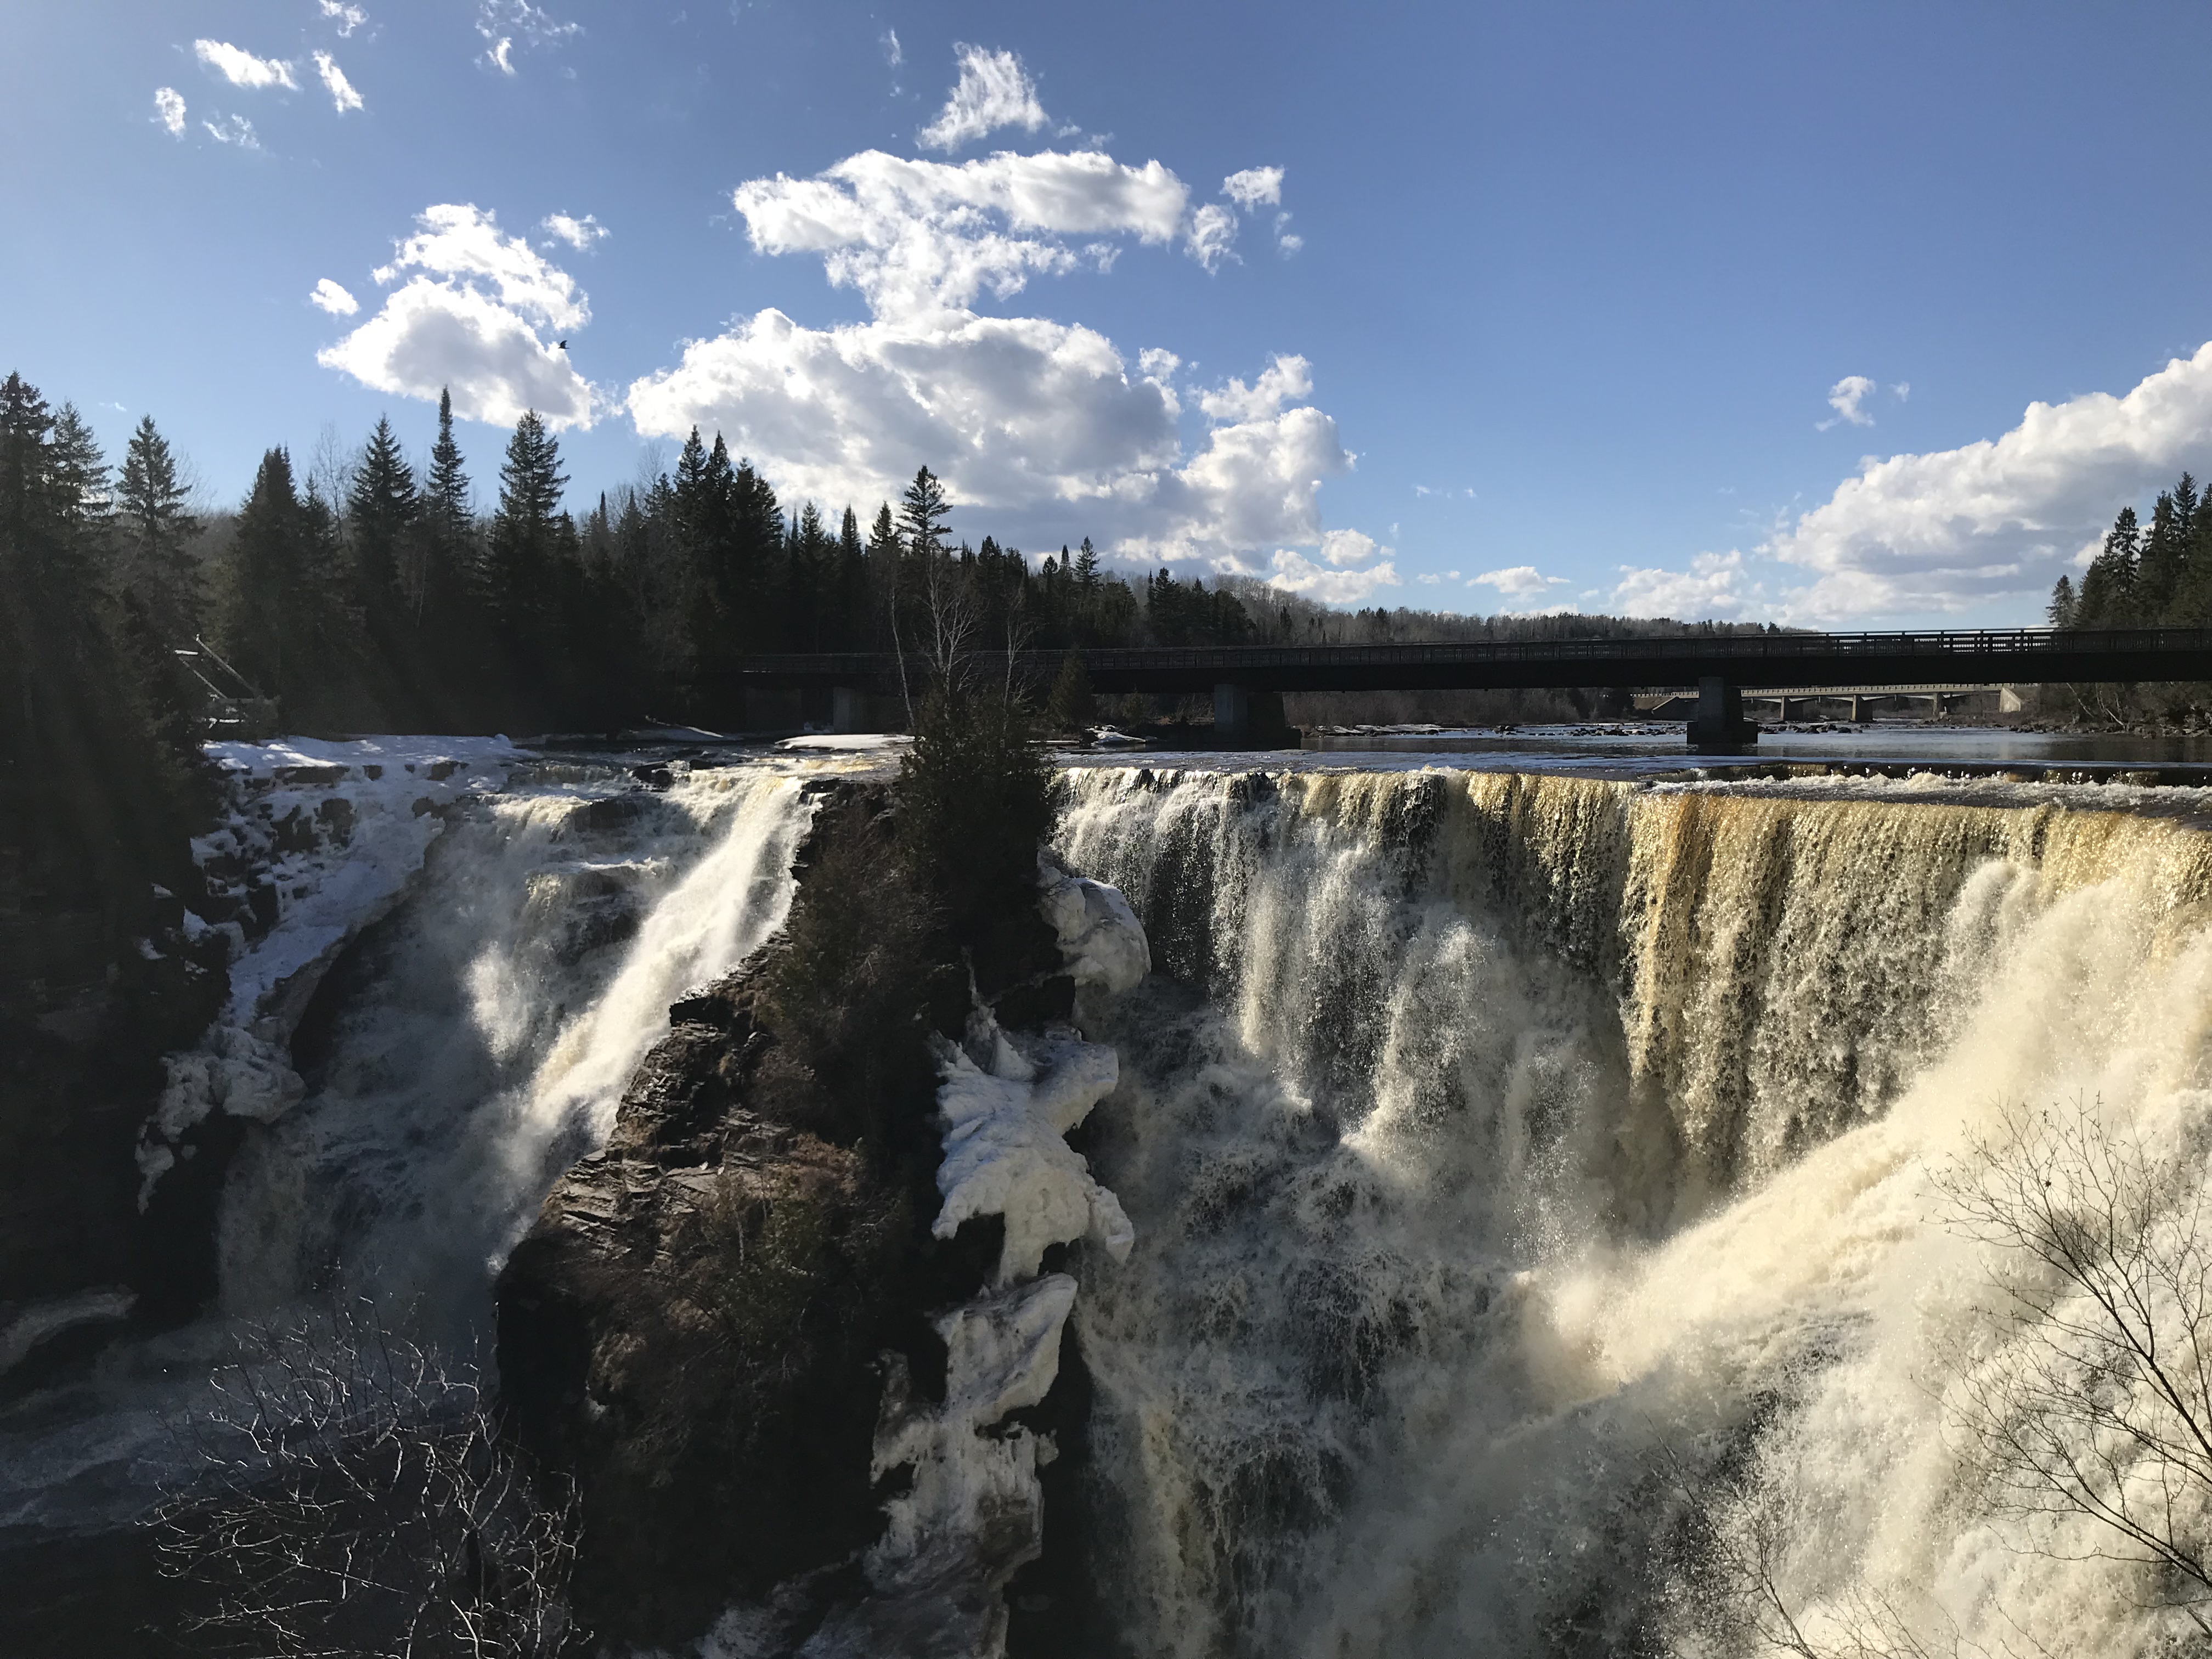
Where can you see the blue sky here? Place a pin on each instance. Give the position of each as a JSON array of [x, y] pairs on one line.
[[1710, 309]]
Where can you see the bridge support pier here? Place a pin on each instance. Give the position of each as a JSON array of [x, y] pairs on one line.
[[848, 710], [1720, 727], [1858, 708], [1245, 717]]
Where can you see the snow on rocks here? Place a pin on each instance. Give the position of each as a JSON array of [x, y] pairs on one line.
[[1004, 1154], [1100, 937], [319, 840]]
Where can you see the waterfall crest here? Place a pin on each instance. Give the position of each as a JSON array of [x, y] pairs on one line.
[[1508, 1137]]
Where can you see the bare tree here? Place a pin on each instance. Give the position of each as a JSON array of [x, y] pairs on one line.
[[2099, 1402], [352, 1496]]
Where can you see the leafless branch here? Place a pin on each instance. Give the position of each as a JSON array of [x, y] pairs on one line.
[[352, 1496]]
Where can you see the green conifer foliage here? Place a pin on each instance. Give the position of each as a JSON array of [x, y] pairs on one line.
[[154, 532]]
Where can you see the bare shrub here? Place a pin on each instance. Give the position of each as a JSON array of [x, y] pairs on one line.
[[2097, 1401], [353, 1496]]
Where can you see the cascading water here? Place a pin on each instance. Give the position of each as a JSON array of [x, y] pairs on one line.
[[481, 1041], [1509, 1142], [471, 1045]]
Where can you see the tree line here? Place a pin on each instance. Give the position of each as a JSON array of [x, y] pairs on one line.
[[2155, 577]]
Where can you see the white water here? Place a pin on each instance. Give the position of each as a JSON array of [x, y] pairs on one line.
[[1537, 1137], [486, 1041]]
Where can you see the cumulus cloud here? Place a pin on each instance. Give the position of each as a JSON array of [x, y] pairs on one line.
[[994, 91], [1255, 187], [579, 233], [1210, 234], [503, 23], [342, 96], [468, 317], [1045, 425], [1299, 575], [1716, 584], [894, 54], [2000, 518], [1519, 581], [334, 299], [1284, 380], [1845, 397], [1033, 419], [169, 111], [914, 236], [233, 130], [242, 68], [347, 18]]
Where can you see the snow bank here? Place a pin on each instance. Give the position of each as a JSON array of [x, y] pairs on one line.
[[847, 743], [319, 840]]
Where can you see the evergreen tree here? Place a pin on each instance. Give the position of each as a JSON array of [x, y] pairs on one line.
[[383, 506], [154, 532], [850, 603], [285, 624], [2108, 596], [923, 520], [2060, 610], [448, 520], [529, 536]]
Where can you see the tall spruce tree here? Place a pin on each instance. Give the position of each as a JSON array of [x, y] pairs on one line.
[[286, 622], [154, 532], [525, 536], [383, 506]]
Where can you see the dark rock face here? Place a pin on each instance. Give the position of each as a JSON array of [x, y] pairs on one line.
[[696, 1327]]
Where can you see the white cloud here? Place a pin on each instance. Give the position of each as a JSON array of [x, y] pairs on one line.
[[1158, 364], [347, 18], [1290, 245], [1902, 391], [994, 91], [1715, 586], [333, 299], [342, 96], [1282, 381], [2000, 518], [242, 68], [169, 111], [1845, 397], [578, 234], [1042, 424], [1297, 574], [459, 240], [914, 236], [1254, 186], [1520, 581], [469, 320], [894, 54], [1036, 421], [233, 130], [1212, 233], [503, 23], [1347, 548]]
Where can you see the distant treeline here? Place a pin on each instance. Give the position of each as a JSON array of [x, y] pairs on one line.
[[365, 593], [2161, 577]]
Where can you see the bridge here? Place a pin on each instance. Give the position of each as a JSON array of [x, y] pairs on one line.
[[1247, 682]]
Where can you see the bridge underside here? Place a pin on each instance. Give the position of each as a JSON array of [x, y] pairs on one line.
[[1247, 682]]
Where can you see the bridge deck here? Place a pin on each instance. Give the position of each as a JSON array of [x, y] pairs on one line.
[[1750, 662]]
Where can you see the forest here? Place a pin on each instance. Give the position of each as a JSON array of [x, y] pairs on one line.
[[2161, 577]]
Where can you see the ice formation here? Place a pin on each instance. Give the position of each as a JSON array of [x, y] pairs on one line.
[[974, 1512], [332, 833]]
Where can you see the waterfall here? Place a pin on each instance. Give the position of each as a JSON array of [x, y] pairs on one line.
[[1496, 1145], [480, 1040]]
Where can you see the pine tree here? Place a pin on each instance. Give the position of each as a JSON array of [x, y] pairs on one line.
[[153, 530], [850, 604], [383, 506], [2107, 595], [520, 552], [2061, 610], [448, 564], [923, 518], [285, 624]]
